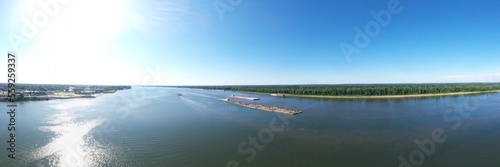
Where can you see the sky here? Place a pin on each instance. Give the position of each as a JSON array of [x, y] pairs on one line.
[[251, 42]]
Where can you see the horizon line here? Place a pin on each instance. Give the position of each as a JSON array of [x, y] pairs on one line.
[[292, 84]]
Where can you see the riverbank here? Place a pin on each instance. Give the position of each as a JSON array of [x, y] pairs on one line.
[[388, 96], [40, 92], [364, 90], [49, 97]]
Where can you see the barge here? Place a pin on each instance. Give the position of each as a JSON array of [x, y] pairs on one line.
[[245, 98], [265, 108]]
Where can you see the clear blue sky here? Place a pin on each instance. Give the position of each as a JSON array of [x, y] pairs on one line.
[[185, 42]]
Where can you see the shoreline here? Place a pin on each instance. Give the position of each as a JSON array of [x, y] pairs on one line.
[[380, 97], [47, 98], [55, 97], [44, 92]]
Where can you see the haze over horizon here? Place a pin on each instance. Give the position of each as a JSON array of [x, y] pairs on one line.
[[188, 42]]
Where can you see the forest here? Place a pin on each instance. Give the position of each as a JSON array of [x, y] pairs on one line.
[[362, 89]]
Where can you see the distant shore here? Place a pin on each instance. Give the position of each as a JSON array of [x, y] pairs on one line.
[[52, 97], [379, 97], [364, 91], [389, 96], [42, 92]]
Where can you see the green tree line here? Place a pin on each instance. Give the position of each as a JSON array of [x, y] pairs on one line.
[[362, 90]]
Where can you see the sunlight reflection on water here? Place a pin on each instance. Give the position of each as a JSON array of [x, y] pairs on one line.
[[72, 104], [72, 144]]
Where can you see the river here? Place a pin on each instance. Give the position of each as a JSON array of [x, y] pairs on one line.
[[153, 126]]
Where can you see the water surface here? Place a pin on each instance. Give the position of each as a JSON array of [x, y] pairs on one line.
[[148, 126]]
